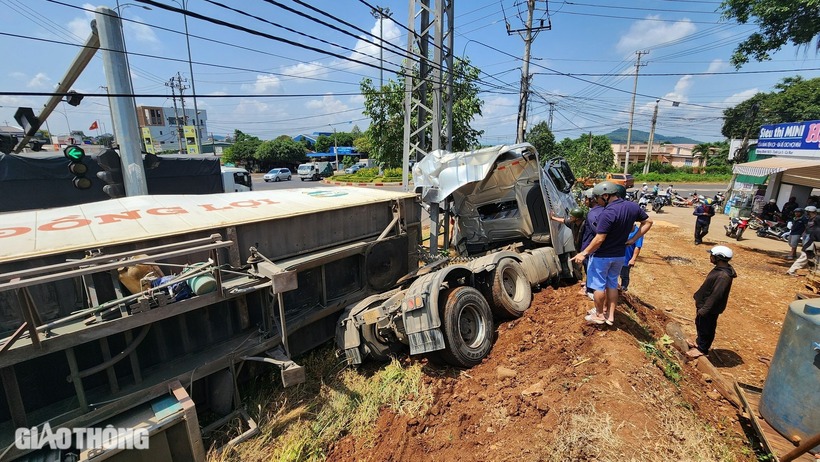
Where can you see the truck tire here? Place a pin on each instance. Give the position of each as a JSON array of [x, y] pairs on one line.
[[467, 325], [379, 348], [511, 292]]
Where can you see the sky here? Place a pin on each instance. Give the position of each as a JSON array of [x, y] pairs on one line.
[[302, 74]]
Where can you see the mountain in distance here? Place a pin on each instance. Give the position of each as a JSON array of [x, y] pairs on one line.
[[638, 136]]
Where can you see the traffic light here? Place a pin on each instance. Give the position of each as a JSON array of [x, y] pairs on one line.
[[111, 173], [27, 120], [75, 156]]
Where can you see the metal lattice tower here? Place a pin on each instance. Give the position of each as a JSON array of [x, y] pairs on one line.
[[430, 53]]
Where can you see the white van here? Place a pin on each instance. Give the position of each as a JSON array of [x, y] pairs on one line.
[[235, 179]]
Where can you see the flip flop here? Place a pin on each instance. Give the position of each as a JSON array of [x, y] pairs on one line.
[[594, 320]]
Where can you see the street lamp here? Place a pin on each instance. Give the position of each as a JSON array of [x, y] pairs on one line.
[[335, 146]]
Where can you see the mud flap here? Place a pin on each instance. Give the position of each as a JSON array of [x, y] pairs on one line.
[[426, 341]]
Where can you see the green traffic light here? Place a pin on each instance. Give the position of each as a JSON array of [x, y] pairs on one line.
[[74, 153]]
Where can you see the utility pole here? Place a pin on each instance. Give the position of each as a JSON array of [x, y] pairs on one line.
[[552, 110], [651, 139], [632, 111], [126, 128], [171, 84], [380, 13], [529, 34]]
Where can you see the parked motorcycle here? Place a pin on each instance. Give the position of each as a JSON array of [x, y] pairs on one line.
[[736, 227], [774, 229], [719, 199], [680, 201], [631, 196], [658, 202]]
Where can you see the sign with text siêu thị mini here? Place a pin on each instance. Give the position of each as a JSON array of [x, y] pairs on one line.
[[793, 139]]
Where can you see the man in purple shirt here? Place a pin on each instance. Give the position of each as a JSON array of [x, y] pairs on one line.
[[608, 248]]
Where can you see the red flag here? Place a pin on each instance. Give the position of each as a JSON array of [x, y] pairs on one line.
[[93, 126]]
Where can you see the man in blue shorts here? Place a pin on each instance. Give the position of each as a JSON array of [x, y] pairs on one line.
[[608, 248]]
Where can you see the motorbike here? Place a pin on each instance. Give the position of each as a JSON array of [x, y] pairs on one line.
[[719, 199], [631, 196], [774, 229], [680, 201], [736, 227], [645, 200], [657, 203]]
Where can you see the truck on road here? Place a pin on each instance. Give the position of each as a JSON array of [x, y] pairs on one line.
[[315, 171]]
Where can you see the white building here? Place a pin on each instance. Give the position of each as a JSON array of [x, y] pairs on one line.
[[166, 130]]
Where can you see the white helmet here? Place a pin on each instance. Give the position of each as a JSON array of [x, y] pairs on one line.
[[722, 252], [811, 208]]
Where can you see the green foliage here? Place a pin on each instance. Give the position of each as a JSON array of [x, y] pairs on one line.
[[678, 177], [362, 145], [347, 161], [588, 159], [661, 356], [341, 139], [282, 150], [542, 138], [794, 99], [385, 108], [243, 149], [779, 21]]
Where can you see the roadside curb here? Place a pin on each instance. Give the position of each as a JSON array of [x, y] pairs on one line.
[[351, 183]]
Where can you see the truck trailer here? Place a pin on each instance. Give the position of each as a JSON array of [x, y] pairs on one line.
[[142, 312]]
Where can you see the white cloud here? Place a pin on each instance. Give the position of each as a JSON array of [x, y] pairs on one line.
[[264, 83], [647, 33], [370, 52], [717, 65], [81, 27], [329, 104], [38, 81], [738, 98], [140, 32], [311, 70], [17, 75]]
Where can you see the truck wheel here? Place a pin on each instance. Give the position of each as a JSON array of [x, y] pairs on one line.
[[302, 179], [511, 292], [467, 324], [379, 348]]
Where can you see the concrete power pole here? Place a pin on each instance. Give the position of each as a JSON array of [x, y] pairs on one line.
[[632, 111], [552, 110], [123, 109], [651, 139], [528, 34], [180, 134]]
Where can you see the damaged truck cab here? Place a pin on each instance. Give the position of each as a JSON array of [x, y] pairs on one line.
[[504, 244]]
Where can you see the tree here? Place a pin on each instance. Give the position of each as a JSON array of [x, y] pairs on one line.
[[542, 138], [587, 160], [282, 150], [794, 100], [385, 107], [243, 149], [779, 22]]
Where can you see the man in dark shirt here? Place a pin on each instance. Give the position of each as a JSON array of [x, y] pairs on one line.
[[769, 210], [796, 232], [608, 248], [788, 208], [704, 213], [711, 299]]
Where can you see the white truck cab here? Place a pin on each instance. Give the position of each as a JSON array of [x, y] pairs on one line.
[[236, 179]]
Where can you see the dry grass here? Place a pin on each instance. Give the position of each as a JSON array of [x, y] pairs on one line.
[[586, 433], [300, 423]]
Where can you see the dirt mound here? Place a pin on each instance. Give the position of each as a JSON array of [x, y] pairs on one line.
[[554, 388]]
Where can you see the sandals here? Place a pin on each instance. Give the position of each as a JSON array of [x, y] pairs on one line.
[[593, 319]]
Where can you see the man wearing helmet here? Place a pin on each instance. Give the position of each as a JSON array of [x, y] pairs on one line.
[[799, 222], [704, 213], [608, 248], [711, 299]]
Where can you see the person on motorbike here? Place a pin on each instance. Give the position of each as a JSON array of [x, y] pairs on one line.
[[656, 189], [644, 189], [788, 208], [798, 228], [704, 213], [769, 210]]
